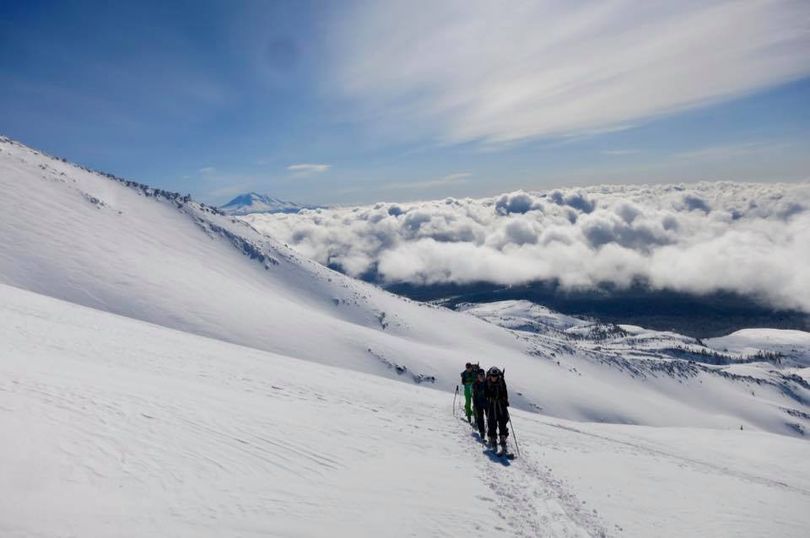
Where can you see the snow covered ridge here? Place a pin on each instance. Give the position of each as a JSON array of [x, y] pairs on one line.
[[777, 347], [252, 202], [753, 239], [793, 345], [127, 249], [770, 349], [178, 198]]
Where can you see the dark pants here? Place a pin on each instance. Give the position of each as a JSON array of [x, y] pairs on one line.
[[497, 419], [480, 409]]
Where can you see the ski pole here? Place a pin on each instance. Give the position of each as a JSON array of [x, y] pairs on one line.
[[513, 433], [454, 401], [503, 370]]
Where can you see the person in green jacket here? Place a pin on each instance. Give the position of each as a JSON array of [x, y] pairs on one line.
[[480, 403], [467, 379]]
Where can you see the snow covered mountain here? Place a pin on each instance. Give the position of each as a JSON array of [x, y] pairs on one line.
[[252, 202], [128, 249], [167, 369]]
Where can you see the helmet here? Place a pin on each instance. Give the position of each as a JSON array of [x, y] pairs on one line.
[[481, 371], [494, 371], [468, 365]]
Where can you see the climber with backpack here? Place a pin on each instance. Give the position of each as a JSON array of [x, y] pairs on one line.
[[467, 378], [479, 398], [497, 410]]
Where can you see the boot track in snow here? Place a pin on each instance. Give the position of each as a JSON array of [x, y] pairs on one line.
[[529, 500]]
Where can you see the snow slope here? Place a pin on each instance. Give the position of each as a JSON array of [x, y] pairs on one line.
[[125, 248], [755, 359], [79, 236], [793, 345], [768, 348], [116, 427]]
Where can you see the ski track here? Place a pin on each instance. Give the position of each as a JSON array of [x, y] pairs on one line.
[[528, 499]]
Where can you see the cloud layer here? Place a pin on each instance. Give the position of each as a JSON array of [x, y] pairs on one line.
[[748, 238], [498, 72]]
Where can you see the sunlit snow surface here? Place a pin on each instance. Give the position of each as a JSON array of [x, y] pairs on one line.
[[241, 424], [115, 427]]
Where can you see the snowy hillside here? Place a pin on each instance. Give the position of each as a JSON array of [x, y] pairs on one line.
[[754, 357], [792, 345], [767, 348], [252, 202], [115, 427], [127, 249]]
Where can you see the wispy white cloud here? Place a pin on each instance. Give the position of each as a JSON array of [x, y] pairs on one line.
[[730, 151], [619, 152], [476, 70], [450, 179], [307, 169], [207, 170]]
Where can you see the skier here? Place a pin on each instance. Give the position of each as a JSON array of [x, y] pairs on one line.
[[497, 412], [479, 397], [467, 379]]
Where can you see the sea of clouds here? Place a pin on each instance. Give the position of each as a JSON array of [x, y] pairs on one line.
[[753, 239]]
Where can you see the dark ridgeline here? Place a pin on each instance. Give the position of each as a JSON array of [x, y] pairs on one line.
[[700, 316]]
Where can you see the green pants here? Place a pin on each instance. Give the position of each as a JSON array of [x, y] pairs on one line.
[[468, 400]]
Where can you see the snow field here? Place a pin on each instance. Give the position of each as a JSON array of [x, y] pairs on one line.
[[125, 428]]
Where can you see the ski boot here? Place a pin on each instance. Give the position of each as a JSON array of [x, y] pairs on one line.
[[503, 449], [502, 446]]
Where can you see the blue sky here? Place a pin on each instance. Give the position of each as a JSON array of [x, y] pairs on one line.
[[345, 102]]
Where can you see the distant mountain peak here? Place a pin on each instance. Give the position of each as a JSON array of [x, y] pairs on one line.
[[254, 202]]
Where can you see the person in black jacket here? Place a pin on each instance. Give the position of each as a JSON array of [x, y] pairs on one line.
[[479, 397], [497, 404]]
